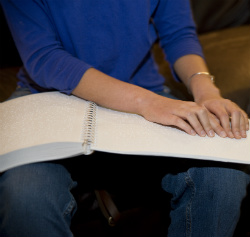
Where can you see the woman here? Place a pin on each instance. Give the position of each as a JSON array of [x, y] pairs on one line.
[[101, 51]]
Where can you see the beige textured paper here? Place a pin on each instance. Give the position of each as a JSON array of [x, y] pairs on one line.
[[38, 119], [132, 134]]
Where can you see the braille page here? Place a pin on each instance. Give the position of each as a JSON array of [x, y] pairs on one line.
[[125, 133], [42, 126]]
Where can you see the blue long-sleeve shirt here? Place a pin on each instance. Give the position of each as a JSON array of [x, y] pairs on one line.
[[58, 40]]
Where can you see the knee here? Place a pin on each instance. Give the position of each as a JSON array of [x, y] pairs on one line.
[[14, 187], [33, 195], [29, 186], [228, 185], [209, 183]]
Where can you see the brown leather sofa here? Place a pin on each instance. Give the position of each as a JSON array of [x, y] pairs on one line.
[[224, 31]]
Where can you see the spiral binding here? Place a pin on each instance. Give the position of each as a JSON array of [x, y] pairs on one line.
[[89, 128]]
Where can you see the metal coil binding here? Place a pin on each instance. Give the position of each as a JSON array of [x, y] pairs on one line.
[[89, 128]]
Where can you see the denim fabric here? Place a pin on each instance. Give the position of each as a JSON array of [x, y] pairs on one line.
[[36, 199], [206, 201]]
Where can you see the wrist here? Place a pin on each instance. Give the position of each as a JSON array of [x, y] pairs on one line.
[[200, 75], [204, 88], [207, 94]]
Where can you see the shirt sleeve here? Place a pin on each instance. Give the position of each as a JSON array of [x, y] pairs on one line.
[[42, 53], [177, 30]]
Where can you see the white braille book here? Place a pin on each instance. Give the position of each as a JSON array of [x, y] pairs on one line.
[[51, 125]]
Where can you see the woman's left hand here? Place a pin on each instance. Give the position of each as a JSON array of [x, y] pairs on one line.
[[230, 116]]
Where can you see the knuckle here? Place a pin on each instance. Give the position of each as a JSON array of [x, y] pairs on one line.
[[245, 116], [228, 101], [189, 114], [217, 103], [236, 112], [242, 126], [224, 116], [217, 127], [176, 120], [202, 110]]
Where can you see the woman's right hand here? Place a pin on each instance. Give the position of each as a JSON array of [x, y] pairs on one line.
[[188, 116]]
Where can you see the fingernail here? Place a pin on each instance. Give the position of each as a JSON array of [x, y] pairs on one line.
[[193, 133], [211, 133], [223, 134], [237, 134], [203, 134]]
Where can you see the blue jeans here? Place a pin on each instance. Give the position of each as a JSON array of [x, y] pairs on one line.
[[36, 199]]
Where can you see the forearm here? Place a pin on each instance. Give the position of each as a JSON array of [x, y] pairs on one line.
[[115, 94], [112, 93]]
